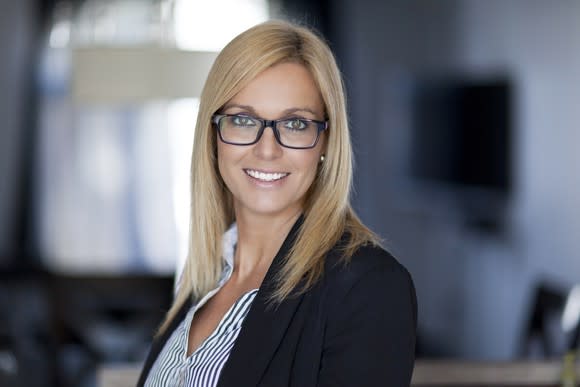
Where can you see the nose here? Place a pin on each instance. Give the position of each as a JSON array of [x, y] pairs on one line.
[[267, 147]]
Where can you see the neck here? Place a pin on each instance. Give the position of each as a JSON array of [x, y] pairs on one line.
[[259, 239]]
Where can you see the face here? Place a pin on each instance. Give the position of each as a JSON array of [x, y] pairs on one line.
[[266, 178]]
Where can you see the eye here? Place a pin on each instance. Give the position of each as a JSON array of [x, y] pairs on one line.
[[295, 124], [242, 121]]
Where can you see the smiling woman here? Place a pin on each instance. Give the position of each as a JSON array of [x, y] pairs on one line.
[[283, 285]]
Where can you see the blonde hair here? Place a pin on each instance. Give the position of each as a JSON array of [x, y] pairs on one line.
[[328, 213]]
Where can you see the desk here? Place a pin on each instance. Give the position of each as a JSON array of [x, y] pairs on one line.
[[118, 375], [427, 373], [445, 373]]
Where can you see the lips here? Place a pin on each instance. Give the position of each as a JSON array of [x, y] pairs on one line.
[[265, 176]]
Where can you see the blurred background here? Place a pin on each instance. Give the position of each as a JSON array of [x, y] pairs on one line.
[[465, 119]]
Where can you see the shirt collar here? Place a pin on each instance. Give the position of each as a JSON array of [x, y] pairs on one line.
[[229, 241]]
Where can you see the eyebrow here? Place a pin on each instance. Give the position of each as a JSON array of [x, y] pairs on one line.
[[250, 109]]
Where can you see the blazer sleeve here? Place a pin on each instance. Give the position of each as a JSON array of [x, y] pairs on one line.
[[370, 333]]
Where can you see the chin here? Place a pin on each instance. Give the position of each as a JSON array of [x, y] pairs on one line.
[[269, 208]]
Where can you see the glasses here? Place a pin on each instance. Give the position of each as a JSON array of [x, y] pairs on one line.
[[295, 133]]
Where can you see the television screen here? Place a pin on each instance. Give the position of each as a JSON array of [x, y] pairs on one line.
[[462, 133]]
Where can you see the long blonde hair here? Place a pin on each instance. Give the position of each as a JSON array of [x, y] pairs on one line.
[[327, 213]]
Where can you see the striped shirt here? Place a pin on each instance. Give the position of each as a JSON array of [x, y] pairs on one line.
[[202, 368]]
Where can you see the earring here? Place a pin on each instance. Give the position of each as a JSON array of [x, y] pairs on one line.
[[321, 158]]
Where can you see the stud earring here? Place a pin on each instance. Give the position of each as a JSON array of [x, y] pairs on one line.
[[321, 158]]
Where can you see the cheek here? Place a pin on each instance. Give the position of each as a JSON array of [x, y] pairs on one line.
[[225, 160], [227, 154], [309, 166], [220, 159]]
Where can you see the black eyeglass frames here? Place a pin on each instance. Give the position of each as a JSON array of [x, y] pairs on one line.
[[242, 129]]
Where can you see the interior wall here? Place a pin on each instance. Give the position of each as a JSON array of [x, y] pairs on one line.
[[474, 287], [539, 43]]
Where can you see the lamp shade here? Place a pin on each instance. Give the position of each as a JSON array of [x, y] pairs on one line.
[[114, 75]]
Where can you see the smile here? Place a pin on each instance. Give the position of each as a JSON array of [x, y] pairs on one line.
[[264, 176]]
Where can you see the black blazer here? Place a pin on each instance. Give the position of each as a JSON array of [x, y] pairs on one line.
[[355, 327]]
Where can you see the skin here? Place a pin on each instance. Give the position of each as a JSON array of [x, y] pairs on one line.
[[265, 211]]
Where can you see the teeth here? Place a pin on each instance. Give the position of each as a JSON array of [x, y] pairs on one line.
[[265, 176]]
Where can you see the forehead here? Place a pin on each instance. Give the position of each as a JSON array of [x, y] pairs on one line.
[[279, 88]]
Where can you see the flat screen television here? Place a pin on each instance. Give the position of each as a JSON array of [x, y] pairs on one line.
[[462, 140], [462, 133]]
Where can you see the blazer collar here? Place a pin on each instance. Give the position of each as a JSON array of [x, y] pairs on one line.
[[263, 327], [159, 342]]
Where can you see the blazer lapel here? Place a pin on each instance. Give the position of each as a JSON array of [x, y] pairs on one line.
[[263, 327], [159, 342]]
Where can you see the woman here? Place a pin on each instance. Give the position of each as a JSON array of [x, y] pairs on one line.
[[283, 285]]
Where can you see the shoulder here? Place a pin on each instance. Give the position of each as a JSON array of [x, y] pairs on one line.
[[371, 272], [365, 261]]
